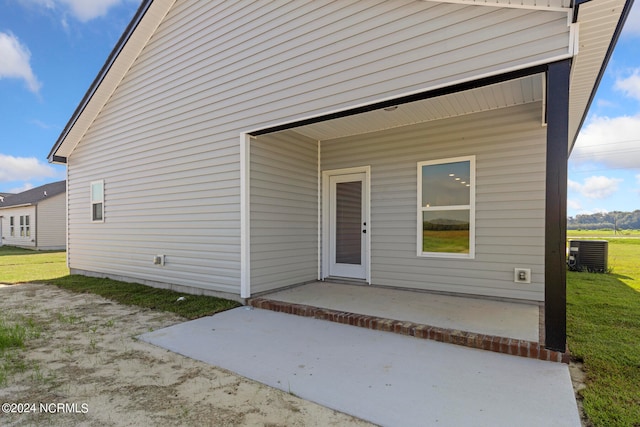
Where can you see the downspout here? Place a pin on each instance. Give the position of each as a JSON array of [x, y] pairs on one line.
[[245, 224], [35, 225]]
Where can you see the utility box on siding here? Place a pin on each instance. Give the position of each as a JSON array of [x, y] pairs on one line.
[[588, 255]]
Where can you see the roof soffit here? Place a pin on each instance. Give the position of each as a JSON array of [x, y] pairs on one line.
[[492, 97], [598, 22]]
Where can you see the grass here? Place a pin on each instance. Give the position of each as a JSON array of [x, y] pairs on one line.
[[24, 265], [449, 241], [12, 340], [603, 233], [603, 316], [603, 313], [11, 336], [192, 307]]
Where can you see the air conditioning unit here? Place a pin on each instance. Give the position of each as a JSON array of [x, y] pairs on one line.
[[588, 255]]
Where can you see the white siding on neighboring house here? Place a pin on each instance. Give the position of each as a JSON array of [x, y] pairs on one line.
[[52, 223], [16, 213], [166, 144], [509, 145], [284, 211]]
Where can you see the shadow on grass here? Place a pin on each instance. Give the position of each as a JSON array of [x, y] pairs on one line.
[[186, 305], [603, 328], [14, 250]]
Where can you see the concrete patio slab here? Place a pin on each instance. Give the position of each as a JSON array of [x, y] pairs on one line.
[[509, 319], [387, 379]]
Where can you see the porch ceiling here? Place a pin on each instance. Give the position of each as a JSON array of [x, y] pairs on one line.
[[514, 92]]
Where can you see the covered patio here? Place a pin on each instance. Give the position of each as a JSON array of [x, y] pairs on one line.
[[497, 126], [499, 325]]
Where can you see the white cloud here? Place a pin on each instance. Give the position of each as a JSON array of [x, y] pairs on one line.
[[574, 204], [24, 187], [15, 61], [24, 169], [82, 10], [615, 142], [593, 211], [49, 4], [41, 124], [604, 103], [630, 86], [85, 10], [596, 187]]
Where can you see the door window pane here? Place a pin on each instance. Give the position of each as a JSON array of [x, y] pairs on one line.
[[348, 220]]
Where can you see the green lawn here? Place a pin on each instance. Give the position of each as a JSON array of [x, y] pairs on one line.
[[449, 241], [603, 314], [190, 306], [603, 233], [23, 265]]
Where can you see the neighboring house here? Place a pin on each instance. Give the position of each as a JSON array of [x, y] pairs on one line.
[[241, 147], [35, 218], [2, 197]]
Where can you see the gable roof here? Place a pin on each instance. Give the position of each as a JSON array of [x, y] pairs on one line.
[[35, 195], [601, 22], [144, 23]]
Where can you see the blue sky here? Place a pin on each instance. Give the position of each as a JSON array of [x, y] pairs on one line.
[[51, 50]]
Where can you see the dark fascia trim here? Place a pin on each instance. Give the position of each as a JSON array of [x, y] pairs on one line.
[[607, 57], [124, 38], [486, 81], [576, 6], [58, 159]]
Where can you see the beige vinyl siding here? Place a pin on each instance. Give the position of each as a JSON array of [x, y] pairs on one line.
[[166, 143], [284, 211], [16, 213], [183, 214], [253, 65], [52, 223], [509, 145]]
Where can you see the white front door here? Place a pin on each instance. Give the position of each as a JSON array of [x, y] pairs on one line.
[[347, 236]]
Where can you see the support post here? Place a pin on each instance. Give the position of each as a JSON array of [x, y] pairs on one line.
[[245, 220], [555, 317]]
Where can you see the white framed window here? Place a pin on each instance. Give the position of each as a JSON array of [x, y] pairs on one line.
[[12, 226], [97, 201], [446, 208], [21, 225], [27, 227]]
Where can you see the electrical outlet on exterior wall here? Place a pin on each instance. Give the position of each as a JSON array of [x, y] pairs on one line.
[[522, 275]]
